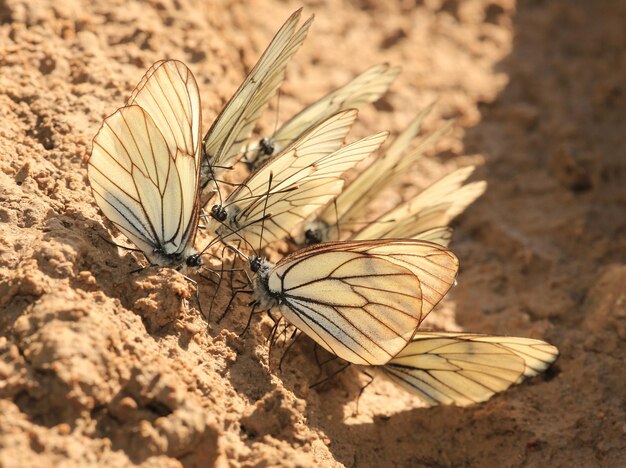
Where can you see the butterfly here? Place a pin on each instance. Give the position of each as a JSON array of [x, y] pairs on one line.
[[289, 188], [231, 129], [428, 213], [365, 88], [360, 300], [145, 164], [465, 368], [350, 207]]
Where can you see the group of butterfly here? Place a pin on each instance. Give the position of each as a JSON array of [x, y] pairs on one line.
[[360, 295]]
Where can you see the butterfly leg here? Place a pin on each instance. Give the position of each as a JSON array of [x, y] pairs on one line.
[[289, 346], [110, 242], [230, 302], [358, 398], [249, 320], [331, 376]]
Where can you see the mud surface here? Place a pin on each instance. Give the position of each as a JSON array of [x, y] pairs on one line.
[[103, 367]]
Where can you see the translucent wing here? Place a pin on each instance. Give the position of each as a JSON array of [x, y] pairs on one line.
[[436, 206], [147, 191], [294, 184], [352, 204], [440, 235], [233, 126], [145, 162], [168, 93], [365, 88], [463, 369], [362, 301]]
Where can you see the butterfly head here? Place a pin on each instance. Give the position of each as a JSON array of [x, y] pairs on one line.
[[266, 145], [261, 267], [194, 261], [312, 236], [255, 263], [315, 232], [219, 213], [264, 297]]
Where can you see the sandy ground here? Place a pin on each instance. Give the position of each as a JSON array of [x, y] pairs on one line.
[[103, 367]]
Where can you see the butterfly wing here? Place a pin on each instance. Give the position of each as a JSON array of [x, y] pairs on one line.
[[147, 191], [463, 369], [434, 207], [441, 235], [294, 199], [169, 94], [233, 126], [365, 88], [362, 301], [145, 164], [352, 204]]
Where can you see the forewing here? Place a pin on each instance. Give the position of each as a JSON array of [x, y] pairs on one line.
[[463, 369], [365, 88], [436, 206], [169, 94], [233, 126], [362, 308], [138, 183], [435, 266]]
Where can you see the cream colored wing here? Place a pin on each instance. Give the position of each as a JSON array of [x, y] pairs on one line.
[[365, 88], [147, 191], [440, 235], [434, 265], [434, 207], [362, 301], [351, 206], [283, 173], [288, 199], [226, 137], [463, 369], [169, 94]]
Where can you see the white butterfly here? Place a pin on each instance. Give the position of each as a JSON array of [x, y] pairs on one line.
[[367, 87], [145, 162], [424, 215], [465, 368], [360, 300], [232, 127], [350, 207], [270, 204]]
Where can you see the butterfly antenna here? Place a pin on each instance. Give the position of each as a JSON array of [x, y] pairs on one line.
[[233, 232], [212, 176]]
